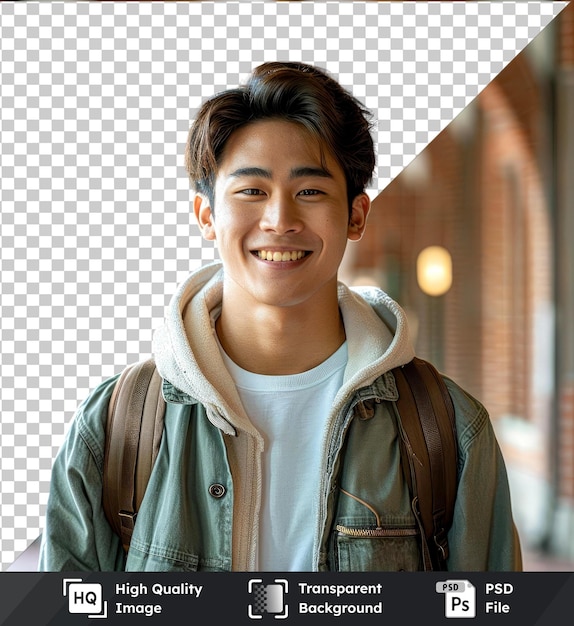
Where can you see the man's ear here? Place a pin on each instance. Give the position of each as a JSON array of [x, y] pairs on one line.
[[359, 211], [204, 216]]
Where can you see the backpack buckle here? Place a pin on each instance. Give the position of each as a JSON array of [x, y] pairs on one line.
[[128, 519], [441, 542]]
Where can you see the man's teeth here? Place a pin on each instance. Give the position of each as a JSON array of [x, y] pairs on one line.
[[268, 255]]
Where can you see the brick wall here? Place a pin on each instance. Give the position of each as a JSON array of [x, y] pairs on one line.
[[565, 198], [565, 41], [566, 451], [480, 195]]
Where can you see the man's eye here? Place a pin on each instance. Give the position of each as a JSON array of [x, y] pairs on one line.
[[310, 192], [251, 192]]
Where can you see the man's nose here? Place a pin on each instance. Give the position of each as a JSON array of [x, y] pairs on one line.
[[281, 215]]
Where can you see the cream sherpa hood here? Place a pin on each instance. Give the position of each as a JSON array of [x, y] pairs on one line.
[[188, 356]]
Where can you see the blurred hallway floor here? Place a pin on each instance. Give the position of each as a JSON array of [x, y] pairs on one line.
[[540, 562]]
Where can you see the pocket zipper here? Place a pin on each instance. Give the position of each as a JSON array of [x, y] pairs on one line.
[[376, 532], [379, 531]]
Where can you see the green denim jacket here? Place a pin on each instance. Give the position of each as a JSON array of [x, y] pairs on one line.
[[186, 519]]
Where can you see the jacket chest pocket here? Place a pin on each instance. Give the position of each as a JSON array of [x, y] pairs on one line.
[[368, 549]]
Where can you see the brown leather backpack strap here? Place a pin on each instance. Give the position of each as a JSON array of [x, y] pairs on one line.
[[440, 434], [429, 453], [133, 435]]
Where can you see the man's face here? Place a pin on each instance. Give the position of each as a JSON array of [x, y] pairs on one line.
[[281, 219]]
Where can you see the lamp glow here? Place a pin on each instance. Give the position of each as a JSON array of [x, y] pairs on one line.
[[434, 270]]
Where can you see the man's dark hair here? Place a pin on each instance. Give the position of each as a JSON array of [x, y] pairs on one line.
[[294, 92]]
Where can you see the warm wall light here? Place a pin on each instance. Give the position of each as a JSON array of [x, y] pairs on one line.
[[434, 270]]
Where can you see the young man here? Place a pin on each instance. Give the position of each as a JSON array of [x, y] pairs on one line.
[[281, 442]]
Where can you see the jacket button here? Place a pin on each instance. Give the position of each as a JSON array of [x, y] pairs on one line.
[[217, 490]]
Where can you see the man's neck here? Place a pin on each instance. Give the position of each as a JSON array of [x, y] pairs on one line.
[[278, 341]]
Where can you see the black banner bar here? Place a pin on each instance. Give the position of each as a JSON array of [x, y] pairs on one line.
[[98, 599]]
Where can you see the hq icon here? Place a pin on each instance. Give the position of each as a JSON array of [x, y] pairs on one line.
[[85, 598]]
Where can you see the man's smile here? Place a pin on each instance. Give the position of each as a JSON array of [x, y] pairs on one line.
[[280, 255]]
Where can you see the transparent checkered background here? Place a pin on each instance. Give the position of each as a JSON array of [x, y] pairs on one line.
[[95, 103]]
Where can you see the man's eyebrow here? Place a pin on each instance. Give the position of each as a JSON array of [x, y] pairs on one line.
[[297, 172], [251, 171], [301, 172]]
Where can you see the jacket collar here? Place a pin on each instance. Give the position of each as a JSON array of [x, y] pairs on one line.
[[383, 388]]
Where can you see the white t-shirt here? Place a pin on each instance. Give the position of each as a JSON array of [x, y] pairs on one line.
[[290, 412]]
